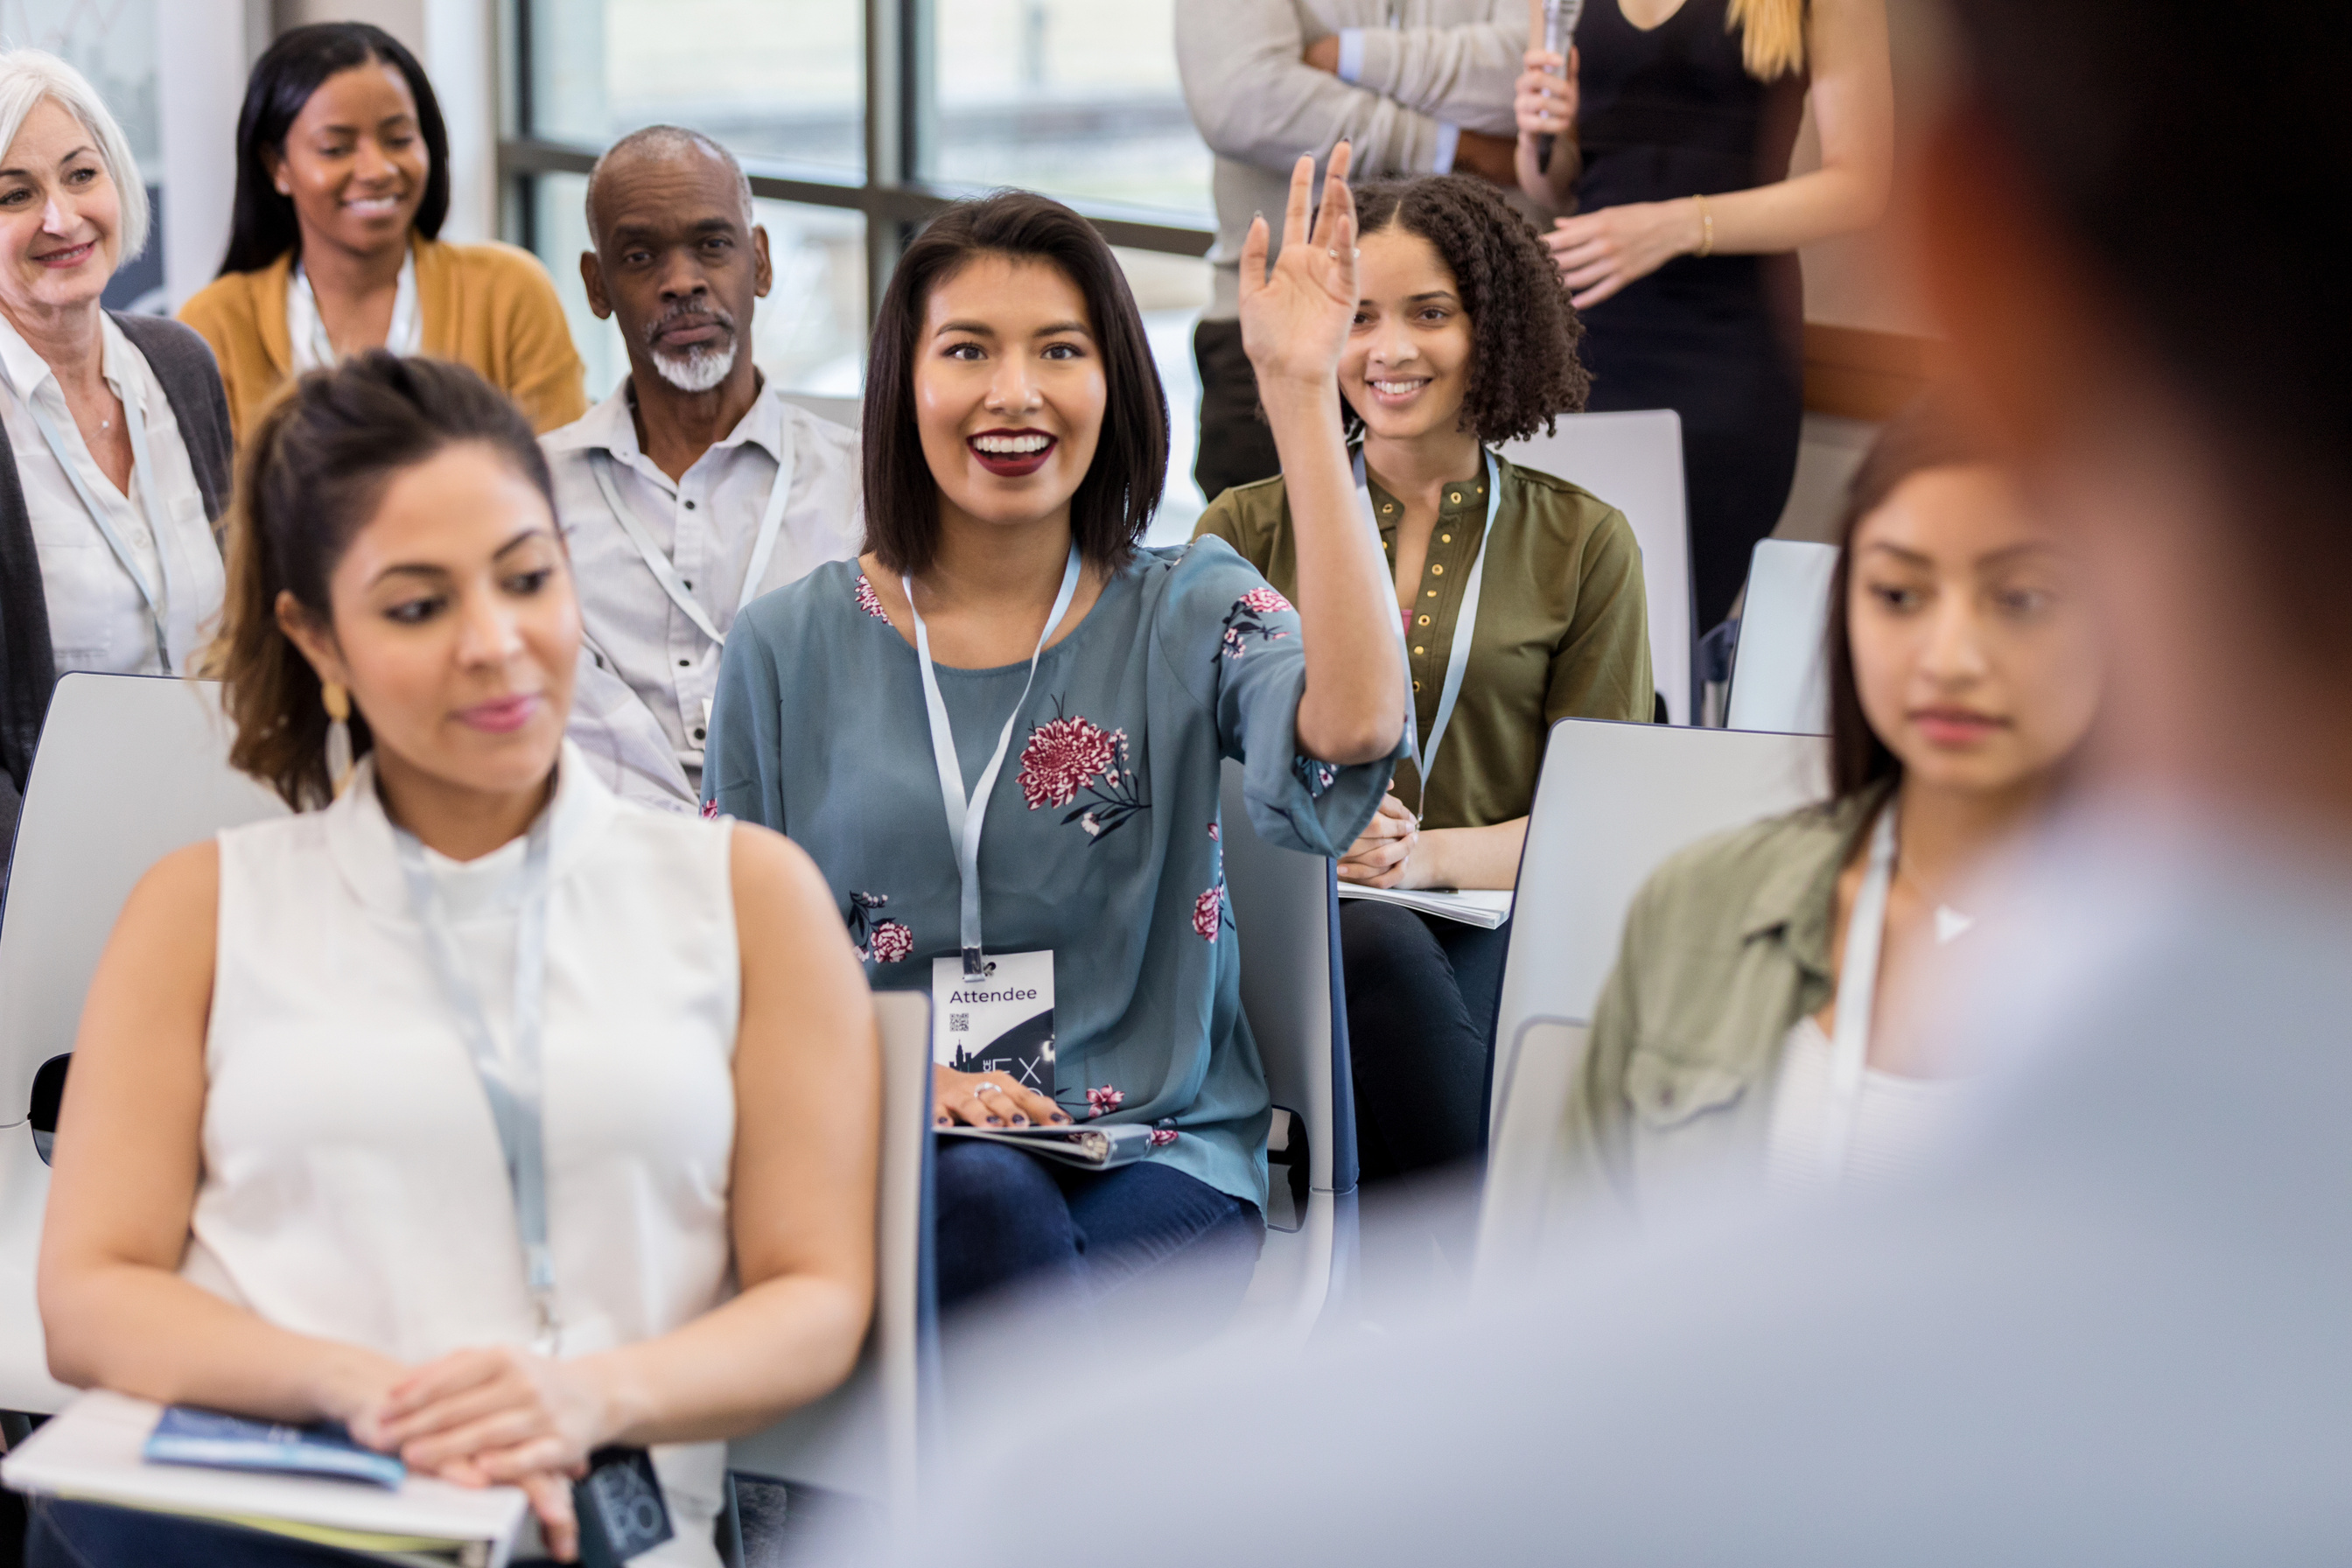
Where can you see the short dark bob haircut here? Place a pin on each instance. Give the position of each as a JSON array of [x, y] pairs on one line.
[[1114, 501], [1923, 436], [308, 478], [262, 225], [1523, 371]]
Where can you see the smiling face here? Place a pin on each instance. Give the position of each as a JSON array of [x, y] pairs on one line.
[[1009, 389], [453, 624], [60, 216], [677, 264], [1974, 650], [354, 162], [1407, 363]]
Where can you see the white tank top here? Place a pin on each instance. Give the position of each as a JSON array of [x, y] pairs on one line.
[[1899, 1123], [353, 1188]]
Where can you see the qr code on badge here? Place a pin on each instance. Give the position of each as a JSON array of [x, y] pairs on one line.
[[960, 1023]]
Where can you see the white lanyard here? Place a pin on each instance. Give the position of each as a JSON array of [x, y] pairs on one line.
[[513, 1086], [763, 547], [143, 472], [964, 817], [1465, 623], [1857, 992], [306, 330]]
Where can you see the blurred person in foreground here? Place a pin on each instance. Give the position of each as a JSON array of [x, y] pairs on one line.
[[1413, 87], [1741, 1037], [2112, 1329], [694, 487]]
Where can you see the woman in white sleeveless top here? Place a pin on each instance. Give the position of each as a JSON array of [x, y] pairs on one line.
[[281, 1187]]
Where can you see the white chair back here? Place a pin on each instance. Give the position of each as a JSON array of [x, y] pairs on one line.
[[1634, 462], [128, 769], [1528, 1099], [1780, 679], [1286, 916], [1612, 801], [840, 410], [863, 1438]]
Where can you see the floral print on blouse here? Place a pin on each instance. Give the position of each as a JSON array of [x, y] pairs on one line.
[[1093, 847]]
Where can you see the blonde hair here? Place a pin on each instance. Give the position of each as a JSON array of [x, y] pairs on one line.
[[27, 77], [1772, 36]]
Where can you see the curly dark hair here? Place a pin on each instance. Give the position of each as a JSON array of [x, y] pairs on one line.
[[1523, 371]]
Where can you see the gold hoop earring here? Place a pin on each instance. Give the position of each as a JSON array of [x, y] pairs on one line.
[[338, 736]]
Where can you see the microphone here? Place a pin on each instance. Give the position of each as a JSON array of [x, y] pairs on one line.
[[1559, 19]]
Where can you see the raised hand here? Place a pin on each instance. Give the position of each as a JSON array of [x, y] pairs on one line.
[[1295, 318]]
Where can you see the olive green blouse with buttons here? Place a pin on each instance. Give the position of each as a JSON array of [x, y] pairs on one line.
[[1726, 946], [1563, 625]]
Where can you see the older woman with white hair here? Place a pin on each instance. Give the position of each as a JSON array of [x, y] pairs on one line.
[[114, 430]]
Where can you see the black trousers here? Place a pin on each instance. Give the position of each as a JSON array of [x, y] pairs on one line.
[[1237, 447], [1422, 997]]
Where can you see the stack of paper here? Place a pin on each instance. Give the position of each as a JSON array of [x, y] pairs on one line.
[[1481, 909], [91, 1453]]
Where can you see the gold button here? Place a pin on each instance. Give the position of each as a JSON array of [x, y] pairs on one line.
[[1420, 650], [1437, 571], [1433, 593], [1453, 496], [1388, 506], [1416, 686], [1444, 539], [1424, 620]]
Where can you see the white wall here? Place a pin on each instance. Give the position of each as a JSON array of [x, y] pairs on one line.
[[204, 48]]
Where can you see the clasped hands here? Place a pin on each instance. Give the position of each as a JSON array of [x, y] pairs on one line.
[[498, 1416], [1385, 854]]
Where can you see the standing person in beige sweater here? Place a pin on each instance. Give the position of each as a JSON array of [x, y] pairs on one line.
[[1415, 87]]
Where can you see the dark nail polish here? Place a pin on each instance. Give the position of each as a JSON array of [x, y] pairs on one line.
[[996, 1122], [1059, 1116], [1020, 1121]]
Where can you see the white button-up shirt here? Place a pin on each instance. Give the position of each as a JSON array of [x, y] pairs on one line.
[[98, 618], [648, 673]]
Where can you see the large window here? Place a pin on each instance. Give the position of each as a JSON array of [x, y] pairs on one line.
[[858, 120]]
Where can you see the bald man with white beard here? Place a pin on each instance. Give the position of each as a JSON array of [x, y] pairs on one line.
[[694, 487]]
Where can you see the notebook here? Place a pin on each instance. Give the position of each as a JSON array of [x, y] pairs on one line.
[[187, 1436], [1485, 910], [94, 1451], [1089, 1148]]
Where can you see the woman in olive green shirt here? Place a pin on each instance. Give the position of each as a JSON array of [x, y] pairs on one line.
[[1964, 674], [1463, 338]]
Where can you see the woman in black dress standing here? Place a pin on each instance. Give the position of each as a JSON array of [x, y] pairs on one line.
[[1673, 121]]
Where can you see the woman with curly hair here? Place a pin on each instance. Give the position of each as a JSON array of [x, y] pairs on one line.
[[1463, 338]]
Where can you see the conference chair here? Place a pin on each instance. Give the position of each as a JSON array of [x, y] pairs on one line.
[[1634, 462], [129, 768], [1614, 801], [1780, 676], [1287, 918], [863, 1441], [839, 410]]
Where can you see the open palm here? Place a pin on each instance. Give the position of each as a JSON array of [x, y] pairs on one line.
[[1295, 318]]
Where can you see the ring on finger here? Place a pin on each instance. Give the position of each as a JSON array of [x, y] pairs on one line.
[[986, 1088]]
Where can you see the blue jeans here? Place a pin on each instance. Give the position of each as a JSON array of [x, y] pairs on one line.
[[90, 1535], [1006, 1218]]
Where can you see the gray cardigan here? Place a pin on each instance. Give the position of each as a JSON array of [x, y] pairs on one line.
[[192, 383]]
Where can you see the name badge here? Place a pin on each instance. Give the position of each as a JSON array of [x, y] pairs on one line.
[[1000, 1023]]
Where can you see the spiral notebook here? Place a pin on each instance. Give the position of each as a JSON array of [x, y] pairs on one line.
[[95, 1451]]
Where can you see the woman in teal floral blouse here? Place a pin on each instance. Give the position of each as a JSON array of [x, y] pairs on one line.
[[1015, 443]]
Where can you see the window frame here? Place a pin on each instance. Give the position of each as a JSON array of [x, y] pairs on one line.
[[896, 205]]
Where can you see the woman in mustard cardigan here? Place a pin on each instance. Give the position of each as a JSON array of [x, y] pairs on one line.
[[342, 183]]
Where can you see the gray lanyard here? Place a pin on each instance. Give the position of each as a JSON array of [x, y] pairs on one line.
[[1857, 995], [513, 1086], [1457, 659], [762, 548], [964, 816], [143, 473]]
